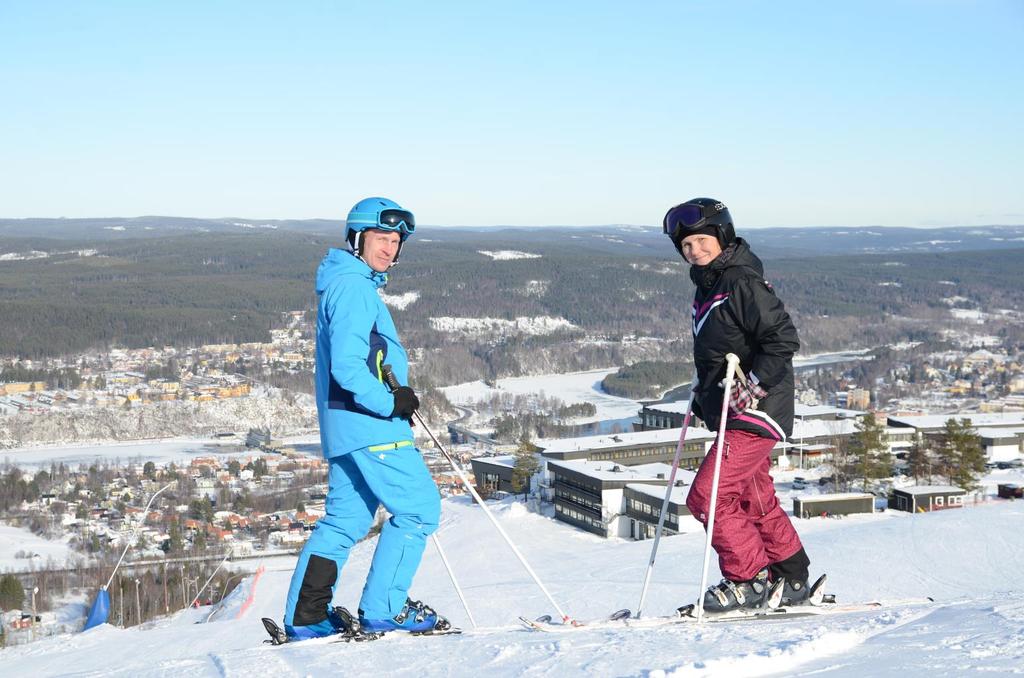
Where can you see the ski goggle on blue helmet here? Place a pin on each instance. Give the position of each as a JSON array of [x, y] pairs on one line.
[[381, 214]]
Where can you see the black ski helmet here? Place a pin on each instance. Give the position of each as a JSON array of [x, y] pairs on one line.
[[699, 215]]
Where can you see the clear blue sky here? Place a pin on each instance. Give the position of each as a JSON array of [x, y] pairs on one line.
[[895, 112]]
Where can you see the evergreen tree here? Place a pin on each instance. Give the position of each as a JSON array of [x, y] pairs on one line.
[[961, 454], [201, 509], [920, 461], [12, 594], [526, 465], [869, 458], [175, 544]]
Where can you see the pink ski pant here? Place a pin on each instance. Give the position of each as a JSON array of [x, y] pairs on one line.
[[751, 529]]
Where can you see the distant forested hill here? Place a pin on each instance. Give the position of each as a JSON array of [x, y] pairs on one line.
[[624, 293]]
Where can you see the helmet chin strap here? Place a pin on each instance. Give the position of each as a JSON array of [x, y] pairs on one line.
[[357, 243]]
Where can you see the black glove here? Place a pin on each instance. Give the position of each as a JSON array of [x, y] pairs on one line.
[[406, 402]]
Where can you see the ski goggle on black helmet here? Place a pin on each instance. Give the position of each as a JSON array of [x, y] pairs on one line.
[[699, 215]]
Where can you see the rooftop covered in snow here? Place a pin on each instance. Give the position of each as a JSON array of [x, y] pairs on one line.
[[934, 422], [562, 446]]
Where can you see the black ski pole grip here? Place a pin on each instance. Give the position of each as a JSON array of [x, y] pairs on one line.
[[389, 377]]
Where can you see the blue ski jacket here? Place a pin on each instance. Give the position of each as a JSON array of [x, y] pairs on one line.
[[355, 337]]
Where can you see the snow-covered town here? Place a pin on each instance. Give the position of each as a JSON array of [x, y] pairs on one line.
[[133, 377]]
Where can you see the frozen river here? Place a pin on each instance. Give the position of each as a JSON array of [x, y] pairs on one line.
[[177, 450]]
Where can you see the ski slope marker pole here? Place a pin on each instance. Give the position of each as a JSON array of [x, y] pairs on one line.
[[664, 505], [131, 540], [389, 377], [732, 366]]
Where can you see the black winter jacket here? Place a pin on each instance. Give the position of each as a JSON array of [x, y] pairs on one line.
[[735, 310]]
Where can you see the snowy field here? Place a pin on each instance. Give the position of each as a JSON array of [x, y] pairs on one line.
[[575, 387], [970, 560], [15, 539]]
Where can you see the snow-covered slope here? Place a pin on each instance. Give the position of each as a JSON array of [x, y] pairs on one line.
[[971, 560]]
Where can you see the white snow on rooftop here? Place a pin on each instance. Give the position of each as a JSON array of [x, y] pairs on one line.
[[1001, 432], [506, 460], [679, 493], [929, 489], [655, 437], [677, 407], [612, 471], [801, 410], [977, 419], [818, 428]]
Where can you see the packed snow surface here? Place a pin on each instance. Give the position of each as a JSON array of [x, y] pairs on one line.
[[22, 256], [970, 560], [20, 550], [399, 301], [508, 255]]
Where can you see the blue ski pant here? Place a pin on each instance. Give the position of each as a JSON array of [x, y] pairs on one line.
[[392, 475]]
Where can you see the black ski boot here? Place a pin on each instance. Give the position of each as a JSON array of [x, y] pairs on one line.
[[739, 595], [794, 592], [794, 571]]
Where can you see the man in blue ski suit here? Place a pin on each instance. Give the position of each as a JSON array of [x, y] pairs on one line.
[[366, 437]]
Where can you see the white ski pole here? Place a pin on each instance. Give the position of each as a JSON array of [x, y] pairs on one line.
[[664, 505], [451, 575], [732, 366], [389, 377]]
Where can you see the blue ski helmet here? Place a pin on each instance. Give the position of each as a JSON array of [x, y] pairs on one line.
[[378, 214]]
